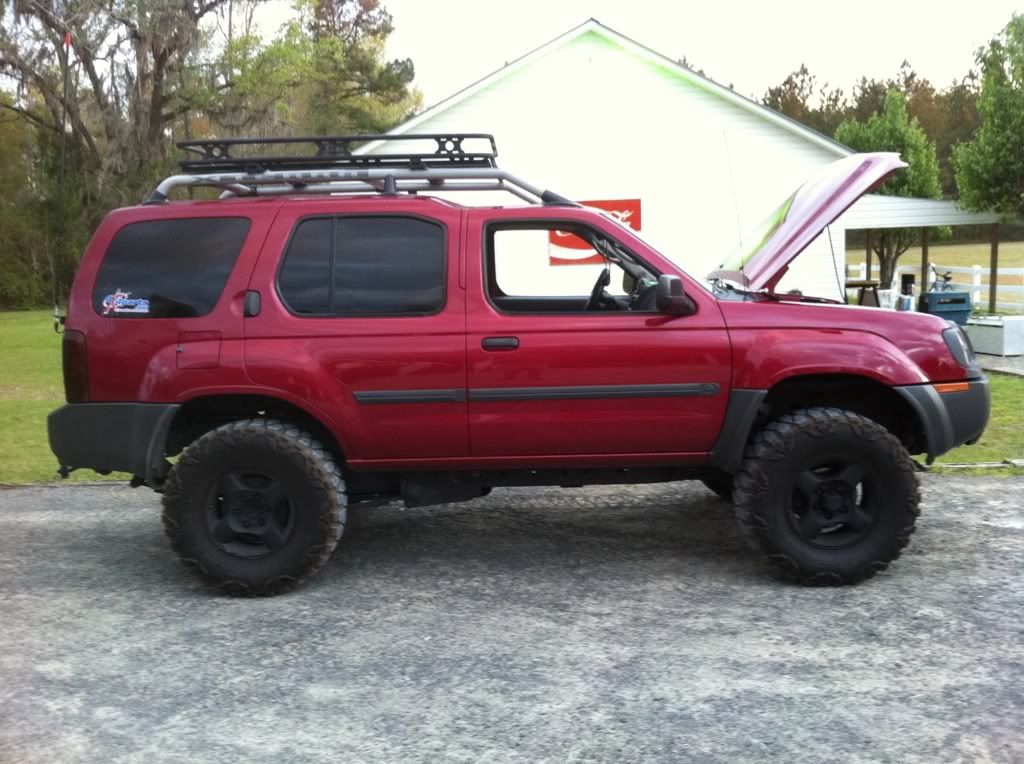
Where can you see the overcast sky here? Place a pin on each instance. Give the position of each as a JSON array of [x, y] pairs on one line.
[[750, 44]]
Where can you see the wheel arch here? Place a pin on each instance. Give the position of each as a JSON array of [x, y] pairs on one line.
[[202, 413], [750, 409]]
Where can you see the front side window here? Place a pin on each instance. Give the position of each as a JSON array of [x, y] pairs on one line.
[[524, 274], [168, 268], [364, 266]]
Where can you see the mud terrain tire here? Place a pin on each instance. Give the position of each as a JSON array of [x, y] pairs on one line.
[[830, 496], [254, 507]]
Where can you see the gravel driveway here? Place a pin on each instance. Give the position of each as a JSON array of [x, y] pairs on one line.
[[606, 624]]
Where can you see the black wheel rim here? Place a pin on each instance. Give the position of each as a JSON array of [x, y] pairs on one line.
[[834, 503], [249, 514]]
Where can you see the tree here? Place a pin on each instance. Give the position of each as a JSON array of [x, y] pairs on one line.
[[128, 54], [958, 121], [26, 262], [799, 97], [894, 130], [325, 73], [990, 168], [868, 99], [948, 116], [350, 85], [144, 73], [125, 61]]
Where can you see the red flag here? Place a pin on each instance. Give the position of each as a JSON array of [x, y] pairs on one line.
[[67, 41]]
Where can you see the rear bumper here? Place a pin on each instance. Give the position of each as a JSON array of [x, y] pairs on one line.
[[112, 437], [949, 419]]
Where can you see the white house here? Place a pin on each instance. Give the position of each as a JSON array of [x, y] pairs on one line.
[[594, 115]]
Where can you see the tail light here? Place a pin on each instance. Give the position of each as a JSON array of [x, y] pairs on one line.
[[76, 374]]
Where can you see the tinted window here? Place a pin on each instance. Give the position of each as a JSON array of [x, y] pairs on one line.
[[381, 266], [388, 265], [168, 268], [305, 276]]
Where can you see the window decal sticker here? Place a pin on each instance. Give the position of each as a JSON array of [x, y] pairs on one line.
[[123, 302]]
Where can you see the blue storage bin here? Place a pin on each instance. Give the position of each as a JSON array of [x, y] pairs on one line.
[[956, 306]]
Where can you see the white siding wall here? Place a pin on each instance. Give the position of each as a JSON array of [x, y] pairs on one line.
[[591, 120]]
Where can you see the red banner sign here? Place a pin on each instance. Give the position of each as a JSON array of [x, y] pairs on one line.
[[569, 249]]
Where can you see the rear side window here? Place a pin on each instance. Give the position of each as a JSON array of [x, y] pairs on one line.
[[364, 266], [305, 277], [168, 268]]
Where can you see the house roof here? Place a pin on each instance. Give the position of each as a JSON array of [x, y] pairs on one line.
[[876, 211], [642, 51]]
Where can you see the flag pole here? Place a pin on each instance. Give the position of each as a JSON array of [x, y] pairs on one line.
[[61, 213]]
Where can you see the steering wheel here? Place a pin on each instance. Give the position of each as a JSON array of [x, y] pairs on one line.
[[603, 280]]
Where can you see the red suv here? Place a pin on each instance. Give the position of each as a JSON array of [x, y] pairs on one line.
[[324, 334]]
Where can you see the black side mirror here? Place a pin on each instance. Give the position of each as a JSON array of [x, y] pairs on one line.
[[669, 297]]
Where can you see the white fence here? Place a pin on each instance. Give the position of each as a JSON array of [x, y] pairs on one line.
[[1014, 293]]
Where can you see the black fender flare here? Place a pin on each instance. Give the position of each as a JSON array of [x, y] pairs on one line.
[[743, 408]]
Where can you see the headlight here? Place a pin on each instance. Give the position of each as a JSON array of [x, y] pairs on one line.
[[959, 345]]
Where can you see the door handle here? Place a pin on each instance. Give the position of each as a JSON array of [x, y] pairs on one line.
[[251, 304], [500, 343]]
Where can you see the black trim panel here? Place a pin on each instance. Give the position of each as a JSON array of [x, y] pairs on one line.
[[120, 437], [950, 419], [410, 396], [586, 392], [744, 405], [569, 393]]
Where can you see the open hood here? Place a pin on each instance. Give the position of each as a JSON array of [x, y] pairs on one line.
[[764, 257]]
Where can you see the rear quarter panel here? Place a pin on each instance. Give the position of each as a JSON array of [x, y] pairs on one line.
[[135, 359]]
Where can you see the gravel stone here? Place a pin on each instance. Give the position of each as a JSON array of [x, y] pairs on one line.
[[604, 624]]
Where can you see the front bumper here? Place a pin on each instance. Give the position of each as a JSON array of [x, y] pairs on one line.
[[112, 437], [949, 419]]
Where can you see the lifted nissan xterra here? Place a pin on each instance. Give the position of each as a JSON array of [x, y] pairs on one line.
[[324, 333]]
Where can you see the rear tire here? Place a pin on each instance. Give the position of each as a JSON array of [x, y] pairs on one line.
[[254, 507], [830, 496]]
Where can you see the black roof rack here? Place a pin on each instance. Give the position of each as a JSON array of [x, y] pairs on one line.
[[426, 151], [349, 164]]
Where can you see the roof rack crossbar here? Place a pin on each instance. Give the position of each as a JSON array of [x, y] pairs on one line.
[[344, 187], [302, 181], [426, 150]]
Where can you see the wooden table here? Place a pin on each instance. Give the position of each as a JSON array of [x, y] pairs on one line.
[[867, 291]]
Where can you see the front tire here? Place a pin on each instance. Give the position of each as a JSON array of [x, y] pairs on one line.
[[830, 496], [254, 507]]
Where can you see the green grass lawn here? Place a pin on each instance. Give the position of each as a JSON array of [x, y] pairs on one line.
[[1004, 436], [1011, 255], [31, 387], [30, 369]]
